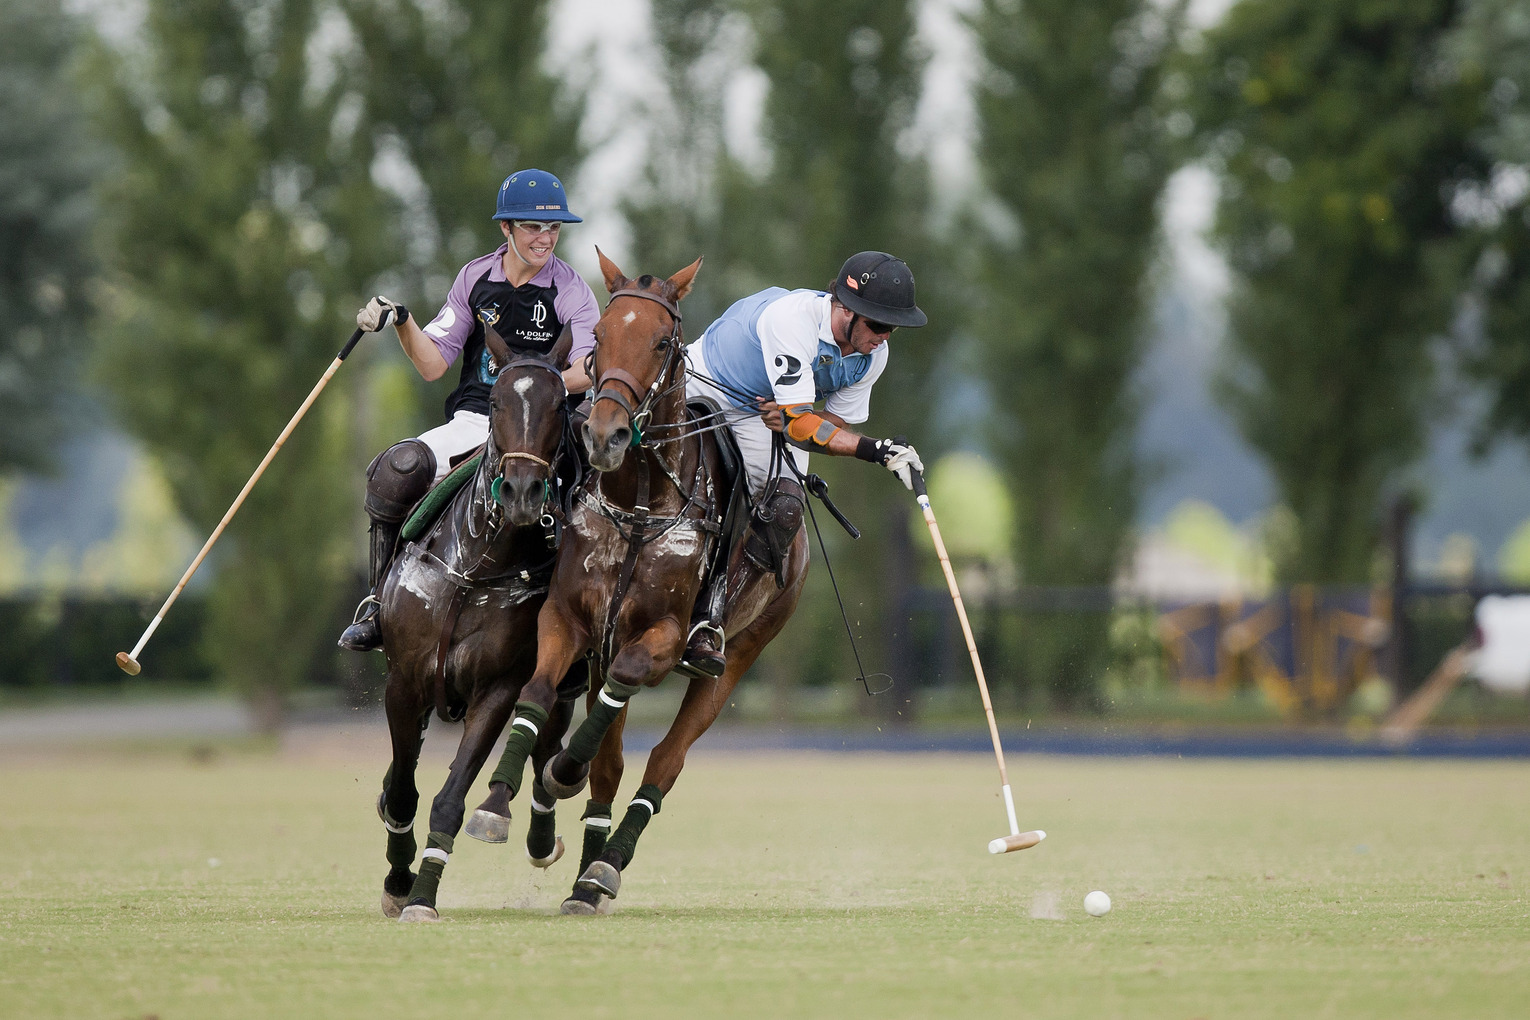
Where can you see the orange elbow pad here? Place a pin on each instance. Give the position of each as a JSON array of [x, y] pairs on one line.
[[804, 425]]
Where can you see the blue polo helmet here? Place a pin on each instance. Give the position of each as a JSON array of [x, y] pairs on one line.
[[533, 195]]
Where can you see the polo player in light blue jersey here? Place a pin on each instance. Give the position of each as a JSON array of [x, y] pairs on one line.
[[771, 359]]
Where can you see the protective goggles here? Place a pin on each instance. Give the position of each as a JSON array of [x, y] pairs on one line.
[[538, 226]]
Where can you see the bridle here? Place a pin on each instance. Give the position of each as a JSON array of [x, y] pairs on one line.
[[499, 473], [639, 415]]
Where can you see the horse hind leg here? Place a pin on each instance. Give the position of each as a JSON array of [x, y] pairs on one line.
[[603, 876], [605, 777]]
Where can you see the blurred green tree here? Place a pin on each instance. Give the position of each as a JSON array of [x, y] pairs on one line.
[[458, 98], [1340, 131], [1075, 156], [243, 223], [45, 224], [1494, 40], [842, 82]]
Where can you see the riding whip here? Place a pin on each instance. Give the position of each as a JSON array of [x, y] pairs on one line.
[[1016, 840], [128, 661]]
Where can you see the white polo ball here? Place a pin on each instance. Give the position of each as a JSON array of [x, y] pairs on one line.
[[1097, 904]]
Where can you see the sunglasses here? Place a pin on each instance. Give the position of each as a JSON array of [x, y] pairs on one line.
[[538, 227], [879, 328]]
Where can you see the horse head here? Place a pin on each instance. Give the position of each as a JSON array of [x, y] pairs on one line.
[[526, 408], [638, 359]]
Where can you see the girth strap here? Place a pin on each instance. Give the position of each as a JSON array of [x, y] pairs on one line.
[[629, 564], [448, 626]]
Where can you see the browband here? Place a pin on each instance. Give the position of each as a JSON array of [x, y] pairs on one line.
[[668, 305]]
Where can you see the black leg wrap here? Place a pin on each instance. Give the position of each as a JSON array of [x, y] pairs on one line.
[[623, 842], [518, 745], [541, 834], [595, 836], [401, 850]]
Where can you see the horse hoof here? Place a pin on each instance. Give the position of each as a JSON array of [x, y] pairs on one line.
[[392, 906], [563, 791], [602, 878], [416, 912], [488, 826], [549, 860], [577, 908]]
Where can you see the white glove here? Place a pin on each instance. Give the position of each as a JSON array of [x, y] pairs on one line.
[[379, 312], [902, 461]]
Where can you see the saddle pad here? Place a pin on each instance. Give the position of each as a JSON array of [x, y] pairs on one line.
[[438, 498]]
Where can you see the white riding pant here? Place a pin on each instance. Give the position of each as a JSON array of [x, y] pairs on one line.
[[466, 432], [755, 439]]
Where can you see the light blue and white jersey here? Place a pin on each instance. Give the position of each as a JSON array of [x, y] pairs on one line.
[[777, 345]]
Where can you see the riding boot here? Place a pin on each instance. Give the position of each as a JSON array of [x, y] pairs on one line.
[[765, 545], [397, 479], [365, 633]]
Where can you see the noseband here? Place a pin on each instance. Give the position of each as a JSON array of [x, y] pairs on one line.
[[638, 416]]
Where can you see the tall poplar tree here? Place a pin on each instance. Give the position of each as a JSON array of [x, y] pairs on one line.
[[243, 222], [1075, 156], [1494, 40], [1339, 129], [45, 222]]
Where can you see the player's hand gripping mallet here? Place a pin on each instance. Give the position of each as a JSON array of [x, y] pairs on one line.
[[1016, 840], [129, 660]]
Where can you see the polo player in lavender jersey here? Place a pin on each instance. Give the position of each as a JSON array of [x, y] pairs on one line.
[[529, 296]]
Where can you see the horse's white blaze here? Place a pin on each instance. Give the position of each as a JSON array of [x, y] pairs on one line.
[[522, 387], [629, 317]]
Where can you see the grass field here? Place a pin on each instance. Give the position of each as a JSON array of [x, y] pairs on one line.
[[148, 883]]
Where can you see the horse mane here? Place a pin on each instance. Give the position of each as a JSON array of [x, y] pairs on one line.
[[665, 288]]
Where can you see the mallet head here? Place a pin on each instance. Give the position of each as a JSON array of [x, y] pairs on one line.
[[128, 664], [1023, 841]]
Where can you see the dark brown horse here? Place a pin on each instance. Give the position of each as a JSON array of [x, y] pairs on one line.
[[632, 564], [459, 612]]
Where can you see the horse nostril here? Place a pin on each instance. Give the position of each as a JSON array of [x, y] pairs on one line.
[[620, 438]]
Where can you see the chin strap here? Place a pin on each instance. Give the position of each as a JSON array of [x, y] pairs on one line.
[[511, 239]]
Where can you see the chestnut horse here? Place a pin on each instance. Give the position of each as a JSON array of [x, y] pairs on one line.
[[459, 613], [633, 561]]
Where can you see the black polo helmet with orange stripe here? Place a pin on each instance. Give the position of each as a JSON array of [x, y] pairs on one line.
[[879, 287]]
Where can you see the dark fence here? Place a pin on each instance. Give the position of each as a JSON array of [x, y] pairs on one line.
[[1052, 645]]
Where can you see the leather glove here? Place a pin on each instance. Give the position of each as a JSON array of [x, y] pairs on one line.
[[901, 459], [380, 312]]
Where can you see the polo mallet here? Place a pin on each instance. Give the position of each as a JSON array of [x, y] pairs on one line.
[[1016, 840], [129, 660]]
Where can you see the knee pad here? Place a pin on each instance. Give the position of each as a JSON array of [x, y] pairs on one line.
[[398, 479], [783, 511]]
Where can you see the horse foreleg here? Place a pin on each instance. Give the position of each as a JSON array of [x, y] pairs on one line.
[[400, 798], [485, 718], [544, 846], [649, 658], [556, 652]]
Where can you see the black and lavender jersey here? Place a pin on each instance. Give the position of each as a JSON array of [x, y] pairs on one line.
[[529, 318]]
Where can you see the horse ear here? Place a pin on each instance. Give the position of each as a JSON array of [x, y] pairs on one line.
[[615, 280], [559, 354], [497, 346], [681, 281]]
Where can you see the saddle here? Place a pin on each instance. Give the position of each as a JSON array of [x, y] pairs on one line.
[[427, 510], [733, 481]]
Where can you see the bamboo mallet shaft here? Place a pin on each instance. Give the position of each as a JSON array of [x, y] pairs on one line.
[[1016, 840], [128, 661]]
